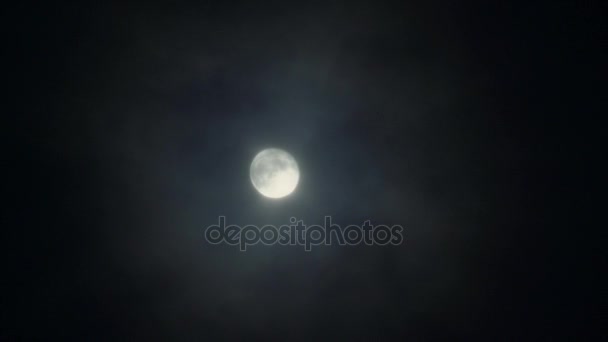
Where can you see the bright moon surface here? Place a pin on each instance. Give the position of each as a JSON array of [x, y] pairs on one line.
[[274, 173]]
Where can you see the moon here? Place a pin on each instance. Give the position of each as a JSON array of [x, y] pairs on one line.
[[274, 173]]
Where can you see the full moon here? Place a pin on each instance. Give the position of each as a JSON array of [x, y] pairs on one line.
[[274, 173]]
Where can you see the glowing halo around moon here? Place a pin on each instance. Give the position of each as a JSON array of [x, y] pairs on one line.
[[274, 173]]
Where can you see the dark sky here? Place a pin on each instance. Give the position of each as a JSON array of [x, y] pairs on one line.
[[131, 129]]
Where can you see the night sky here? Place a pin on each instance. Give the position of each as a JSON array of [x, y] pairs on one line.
[[131, 128]]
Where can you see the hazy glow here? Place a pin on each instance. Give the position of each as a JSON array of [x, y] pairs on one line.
[[274, 173]]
